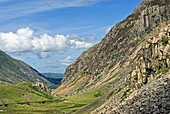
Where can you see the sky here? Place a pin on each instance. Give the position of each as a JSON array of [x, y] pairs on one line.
[[50, 34]]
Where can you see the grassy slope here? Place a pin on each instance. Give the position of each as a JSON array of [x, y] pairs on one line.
[[21, 93], [14, 93]]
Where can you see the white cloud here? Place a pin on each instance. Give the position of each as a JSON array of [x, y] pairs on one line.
[[48, 43], [79, 45], [67, 61], [18, 42], [24, 40], [44, 54]]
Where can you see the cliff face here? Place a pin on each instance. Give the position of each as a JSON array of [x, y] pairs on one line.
[[146, 89], [14, 71], [104, 61], [151, 58], [114, 45]]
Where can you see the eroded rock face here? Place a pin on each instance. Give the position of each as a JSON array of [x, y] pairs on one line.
[[153, 56], [140, 87], [121, 39]]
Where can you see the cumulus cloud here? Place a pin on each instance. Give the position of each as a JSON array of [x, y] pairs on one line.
[[67, 61], [24, 40]]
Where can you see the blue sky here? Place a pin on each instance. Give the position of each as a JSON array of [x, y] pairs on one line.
[[50, 34]]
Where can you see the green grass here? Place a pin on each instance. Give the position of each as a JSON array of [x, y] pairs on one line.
[[97, 95], [81, 88], [21, 93], [68, 105], [25, 92]]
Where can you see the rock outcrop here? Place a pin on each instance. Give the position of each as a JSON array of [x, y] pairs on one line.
[[153, 98], [41, 87], [152, 57]]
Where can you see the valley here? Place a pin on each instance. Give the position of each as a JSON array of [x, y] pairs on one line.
[[128, 72]]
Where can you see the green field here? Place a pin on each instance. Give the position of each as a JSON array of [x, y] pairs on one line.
[[25, 92]]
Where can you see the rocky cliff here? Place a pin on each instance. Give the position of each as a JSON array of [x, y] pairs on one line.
[[134, 77], [14, 71], [103, 62], [151, 58], [147, 86]]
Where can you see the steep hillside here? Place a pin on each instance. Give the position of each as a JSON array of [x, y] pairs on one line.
[[142, 81], [111, 61], [14, 71]]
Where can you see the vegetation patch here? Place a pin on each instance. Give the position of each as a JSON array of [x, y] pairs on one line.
[[145, 73], [136, 78], [114, 56], [162, 71], [164, 40], [81, 88], [97, 94], [124, 96]]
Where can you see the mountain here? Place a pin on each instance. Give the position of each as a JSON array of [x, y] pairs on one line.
[[13, 71], [133, 57], [123, 38], [141, 89]]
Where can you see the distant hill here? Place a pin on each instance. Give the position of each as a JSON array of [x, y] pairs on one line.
[[53, 75], [54, 78], [14, 71]]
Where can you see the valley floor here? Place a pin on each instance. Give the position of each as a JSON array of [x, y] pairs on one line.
[[66, 105]]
